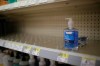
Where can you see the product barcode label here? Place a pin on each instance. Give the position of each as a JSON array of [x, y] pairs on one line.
[[36, 51], [18, 46], [62, 57], [27, 49]]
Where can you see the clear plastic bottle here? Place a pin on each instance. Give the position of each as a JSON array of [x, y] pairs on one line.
[[36, 61], [52, 63], [6, 58], [16, 59], [31, 61], [71, 36], [24, 60], [11, 58], [42, 62]]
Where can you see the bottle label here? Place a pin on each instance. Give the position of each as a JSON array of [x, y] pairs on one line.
[[36, 51], [69, 35], [71, 39]]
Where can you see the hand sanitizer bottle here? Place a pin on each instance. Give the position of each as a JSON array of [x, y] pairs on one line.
[[70, 36], [6, 58]]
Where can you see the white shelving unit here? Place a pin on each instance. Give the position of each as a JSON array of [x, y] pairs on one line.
[[62, 55], [70, 57]]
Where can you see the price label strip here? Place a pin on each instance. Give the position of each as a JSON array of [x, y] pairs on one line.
[[63, 57], [88, 62], [27, 49], [36, 51]]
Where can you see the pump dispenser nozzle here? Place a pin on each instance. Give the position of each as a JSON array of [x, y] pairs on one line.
[[70, 23]]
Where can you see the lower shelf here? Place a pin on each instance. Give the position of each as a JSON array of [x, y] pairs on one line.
[[70, 57]]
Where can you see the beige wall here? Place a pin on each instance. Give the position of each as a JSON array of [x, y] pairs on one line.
[[51, 21]]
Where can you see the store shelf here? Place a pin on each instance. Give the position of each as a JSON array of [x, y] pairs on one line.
[[45, 21], [71, 57], [30, 4], [27, 3]]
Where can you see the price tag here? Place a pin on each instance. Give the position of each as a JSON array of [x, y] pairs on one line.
[[13, 45], [8, 44], [27, 49], [36, 51], [1, 42], [5, 43], [88, 62], [63, 57], [19, 46]]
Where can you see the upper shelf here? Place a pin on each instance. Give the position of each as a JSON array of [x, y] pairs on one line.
[[30, 5], [26, 3]]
